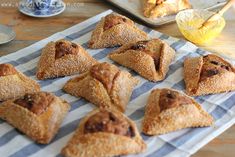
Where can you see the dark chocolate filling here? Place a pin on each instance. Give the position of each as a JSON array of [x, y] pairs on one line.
[[36, 103], [159, 2], [226, 67], [212, 68], [142, 46], [170, 99], [105, 121], [212, 72], [214, 62], [63, 49]]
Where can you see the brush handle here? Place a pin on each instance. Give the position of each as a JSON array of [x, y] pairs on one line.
[[222, 11], [226, 7], [217, 15]]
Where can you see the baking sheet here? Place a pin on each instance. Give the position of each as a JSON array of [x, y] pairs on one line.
[[134, 7]]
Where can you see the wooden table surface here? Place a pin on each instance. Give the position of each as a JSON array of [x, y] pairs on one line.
[[30, 30]]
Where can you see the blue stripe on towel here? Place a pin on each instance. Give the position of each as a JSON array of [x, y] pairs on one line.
[[8, 137], [33, 148], [81, 32]]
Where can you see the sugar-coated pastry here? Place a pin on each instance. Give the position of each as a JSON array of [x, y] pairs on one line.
[[149, 58], [62, 58], [160, 8], [37, 115], [104, 132], [115, 30], [169, 110], [208, 75], [103, 85], [14, 84]]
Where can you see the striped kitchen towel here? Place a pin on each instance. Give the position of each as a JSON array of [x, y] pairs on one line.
[[180, 143]]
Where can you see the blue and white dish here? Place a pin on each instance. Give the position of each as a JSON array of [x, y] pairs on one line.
[[33, 9], [6, 34], [41, 4]]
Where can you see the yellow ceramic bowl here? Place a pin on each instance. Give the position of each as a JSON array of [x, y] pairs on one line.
[[189, 22]]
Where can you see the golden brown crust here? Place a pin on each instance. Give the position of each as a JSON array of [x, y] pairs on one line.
[[156, 8], [112, 20], [183, 115], [14, 84], [105, 74], [63, 58], [208, 75], [41, 128], [118, 33], [101, 144], [115, 95], [151, 58]]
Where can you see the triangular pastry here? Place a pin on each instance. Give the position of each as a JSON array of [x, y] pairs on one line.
[[149, 58], [159, 8], [208, 75], [115, 30], [103, 85], [63, 58], [15, 84], [168, 110], [104, 133], [37, 115]]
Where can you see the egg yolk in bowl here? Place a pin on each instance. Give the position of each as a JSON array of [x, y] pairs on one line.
[[190, 21]]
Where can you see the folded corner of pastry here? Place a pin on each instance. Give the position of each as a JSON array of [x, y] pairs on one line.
[[105, 132], [150, 58], [160, 8], [103, 85], [169, 110], [115, 30], [37, 115], [14, 84], [208, 74], [62, 58]]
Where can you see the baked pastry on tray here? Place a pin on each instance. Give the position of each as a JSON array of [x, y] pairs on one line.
[[159, 8], [149, 58], [15, 84], [103, 85], [115, 30], [169, 110], [37, 115], [63, 58], [208, 75], [104, 133]]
